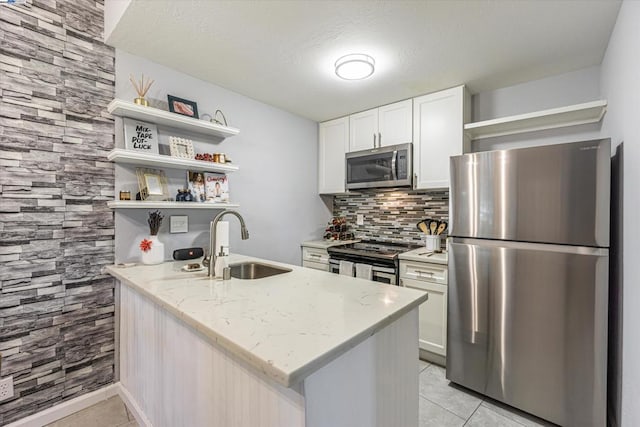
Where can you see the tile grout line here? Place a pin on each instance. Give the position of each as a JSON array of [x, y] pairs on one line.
[[473, 413], [442, 407]]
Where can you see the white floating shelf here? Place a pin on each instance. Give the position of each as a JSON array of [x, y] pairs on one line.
[[122, 108], [138, 204], [120, 155], [579, 114]]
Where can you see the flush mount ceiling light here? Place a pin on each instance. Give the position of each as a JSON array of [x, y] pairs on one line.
[[356, 66]]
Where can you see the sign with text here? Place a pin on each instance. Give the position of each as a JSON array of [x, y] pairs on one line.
[[140, 136]]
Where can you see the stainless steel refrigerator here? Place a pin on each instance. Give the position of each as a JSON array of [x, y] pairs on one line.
[[528, 278]]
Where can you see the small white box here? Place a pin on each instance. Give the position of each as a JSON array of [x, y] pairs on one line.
[[179, 224]]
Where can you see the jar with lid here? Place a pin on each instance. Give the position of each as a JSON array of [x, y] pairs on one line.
[[180, 195], [188, 197]]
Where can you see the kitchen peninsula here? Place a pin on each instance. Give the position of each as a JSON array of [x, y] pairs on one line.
[[302, 348]]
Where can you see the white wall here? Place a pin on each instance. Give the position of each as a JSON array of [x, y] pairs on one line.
[[557, 91], [621, 86], [276, 185]]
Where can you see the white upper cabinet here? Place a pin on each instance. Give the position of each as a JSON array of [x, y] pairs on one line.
[[363, 128], [438, 123], [333, 142], [387, 125], [395, 123]]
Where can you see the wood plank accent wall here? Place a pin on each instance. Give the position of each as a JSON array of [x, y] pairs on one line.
[[56, 233]]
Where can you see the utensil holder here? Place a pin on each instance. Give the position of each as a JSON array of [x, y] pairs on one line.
[[433, 242]]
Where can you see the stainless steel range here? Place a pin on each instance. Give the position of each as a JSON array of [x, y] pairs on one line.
[[381, 256]]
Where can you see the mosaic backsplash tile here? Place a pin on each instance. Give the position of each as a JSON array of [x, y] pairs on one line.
[[56, 231], [391, 215]]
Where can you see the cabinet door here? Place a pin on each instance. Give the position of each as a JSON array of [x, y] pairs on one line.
[[395, 123], [438, 121], [333, 140], [363, 130], [432, 322]]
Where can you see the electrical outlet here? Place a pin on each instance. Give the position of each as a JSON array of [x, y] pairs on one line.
[[6, 388], [359, 219]]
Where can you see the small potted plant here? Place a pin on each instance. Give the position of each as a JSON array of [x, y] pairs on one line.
[[152, 248]]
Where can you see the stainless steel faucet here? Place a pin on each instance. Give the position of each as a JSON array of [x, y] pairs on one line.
[[212, 237]]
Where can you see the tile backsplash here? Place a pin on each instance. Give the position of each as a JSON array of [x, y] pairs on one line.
[[391, 215]]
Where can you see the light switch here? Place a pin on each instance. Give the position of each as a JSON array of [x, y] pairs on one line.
[[179, 224], [359, 219]]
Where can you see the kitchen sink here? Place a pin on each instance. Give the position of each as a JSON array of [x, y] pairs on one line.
[[255, 270]]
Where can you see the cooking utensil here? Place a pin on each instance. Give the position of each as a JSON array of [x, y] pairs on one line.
[[441, 227], [433, 226], [423, 227]]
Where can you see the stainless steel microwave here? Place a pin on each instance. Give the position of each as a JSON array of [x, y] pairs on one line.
[[390, 166]]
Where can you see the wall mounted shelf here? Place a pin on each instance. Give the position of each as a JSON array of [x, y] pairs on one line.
[[579, 114], [138, 204], [121, 108], [120, 155]]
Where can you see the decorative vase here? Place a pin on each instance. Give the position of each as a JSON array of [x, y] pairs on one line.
[[155, 253], [141, 101]]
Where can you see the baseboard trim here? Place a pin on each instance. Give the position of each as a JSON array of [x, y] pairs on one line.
[[67, 408], [133, 407]]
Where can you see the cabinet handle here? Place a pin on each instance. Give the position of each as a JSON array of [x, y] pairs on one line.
[[374, 140], [379, 140], [315, 255]]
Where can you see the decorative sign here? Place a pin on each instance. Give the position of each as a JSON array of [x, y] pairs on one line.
[[140, 136]]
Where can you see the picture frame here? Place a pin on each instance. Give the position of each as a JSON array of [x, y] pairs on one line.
[[181, 148], [152, 184], [140, 136], [196, 184], [182, 106]]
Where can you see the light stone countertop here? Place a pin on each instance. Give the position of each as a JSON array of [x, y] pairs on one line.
[[286, 326], [324, 244], [422, 255]]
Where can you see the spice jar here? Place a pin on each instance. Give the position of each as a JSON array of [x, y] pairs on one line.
[[221, 158], [216, 157]]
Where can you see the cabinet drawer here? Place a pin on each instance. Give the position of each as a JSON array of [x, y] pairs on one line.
[[315, 255], [422, 271], [316, 265]]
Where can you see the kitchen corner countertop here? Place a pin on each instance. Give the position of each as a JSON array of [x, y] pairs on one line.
[[324, 244], [286, 326], [422, 255]]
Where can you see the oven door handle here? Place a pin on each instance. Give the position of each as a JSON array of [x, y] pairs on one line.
[[389, 276]]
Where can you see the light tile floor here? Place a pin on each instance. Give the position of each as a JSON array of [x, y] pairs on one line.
[[441, 405], [447, 405], [109, 413]]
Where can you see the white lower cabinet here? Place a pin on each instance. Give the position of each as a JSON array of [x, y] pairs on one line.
[[315, 258], [430, 278]]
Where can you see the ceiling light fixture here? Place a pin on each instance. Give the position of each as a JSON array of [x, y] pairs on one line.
[[355, 66]]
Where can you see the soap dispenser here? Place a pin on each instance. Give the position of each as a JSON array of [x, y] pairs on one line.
[[221, 263]]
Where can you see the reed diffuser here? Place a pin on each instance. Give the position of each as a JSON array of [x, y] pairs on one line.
[[155, 221], [141, 89]]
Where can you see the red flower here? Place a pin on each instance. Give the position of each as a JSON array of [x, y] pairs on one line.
[[145, 245]]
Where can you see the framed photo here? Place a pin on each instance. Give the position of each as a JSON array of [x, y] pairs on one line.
[[183, 106], [181, 147], [140, 136], [195, 183], [152, 184]]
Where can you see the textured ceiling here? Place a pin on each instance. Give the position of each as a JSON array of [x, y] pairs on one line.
[[282, 52]]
